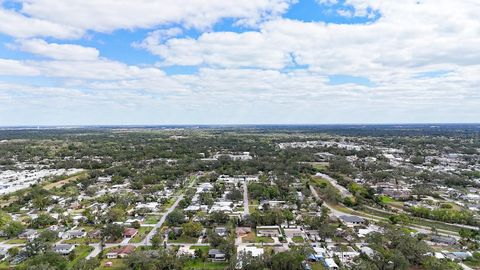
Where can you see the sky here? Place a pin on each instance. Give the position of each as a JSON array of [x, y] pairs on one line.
[[154, 62]]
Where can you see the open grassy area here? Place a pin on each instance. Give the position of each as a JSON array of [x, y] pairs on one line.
[[142, 233], [263, 239], [81, 241], [386, 199], [184, 239], [117, 264], [81, 252], [60, 183], [317, 266], [197, 264], [253, 238], [298, 239], [319, 166], [152, 219], [16, 241], [204, 248]]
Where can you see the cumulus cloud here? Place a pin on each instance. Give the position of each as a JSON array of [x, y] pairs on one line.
[[57, 51], [422, 58], [109, 15], [17, 25]]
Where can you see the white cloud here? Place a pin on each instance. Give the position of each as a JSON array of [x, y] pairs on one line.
[[243, 76], [57, 51], [18, 25], [16, 68], [109, 15]]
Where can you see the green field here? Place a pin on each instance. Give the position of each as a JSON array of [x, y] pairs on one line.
[[80, 253], [142, 232]]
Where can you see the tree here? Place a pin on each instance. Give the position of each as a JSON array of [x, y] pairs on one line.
[[48, 260], [43, 220], [115, 214], [192, 229], [112, 232], [13, 229], [175, 218], [48, 236], [235, 195], [4, 219], [433, 263], [157, 240], [288, 260], [36, 247]]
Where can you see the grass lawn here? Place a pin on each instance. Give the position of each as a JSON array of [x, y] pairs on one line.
[[117, 264], [16, 241], [249, 238], [142, 232], [263, 239], [152, 219], [317, 266], [184, 239], [81, 252], [298, 239], [81, 241], [197, 264], [204, 248], [319, 166], [386, 199], [4, 265], [473, 264]]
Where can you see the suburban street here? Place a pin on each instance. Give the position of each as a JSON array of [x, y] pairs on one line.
[[246, 210]]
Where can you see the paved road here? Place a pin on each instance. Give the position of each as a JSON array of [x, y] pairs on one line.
[[246, 210], [148, 240], [343, 191], [422, 229]]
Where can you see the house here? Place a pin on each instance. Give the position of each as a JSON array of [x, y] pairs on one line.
[[94, 234], [186, 251], [121, 252], [28, 234], [443, 240], [63, 249], [367, 251], [344, 254], [313, 235], [250, 250], [3, 254], [130, 232], [241, 231], [204, 187], [216, 255], [317, 255], [458, 256], [222, 206], [330, 264], [221, 231], [267, 204], [293, 232], [268, 231], [74, 234], [243, 250], [352, 221]]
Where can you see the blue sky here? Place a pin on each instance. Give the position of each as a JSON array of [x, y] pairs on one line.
[[238, 62]]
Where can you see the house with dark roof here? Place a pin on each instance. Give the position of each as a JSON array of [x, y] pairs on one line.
[[352, 221], [130, 232], [216, 255], [121, 252]]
